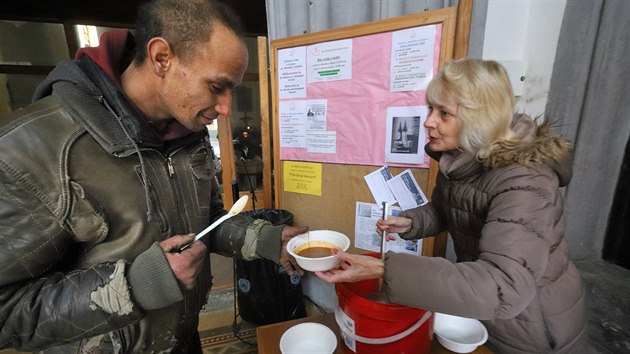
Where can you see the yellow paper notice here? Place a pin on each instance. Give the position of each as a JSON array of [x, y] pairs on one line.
[[302, 177]]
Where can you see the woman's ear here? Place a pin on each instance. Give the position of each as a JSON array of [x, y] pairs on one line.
[[159, 55]]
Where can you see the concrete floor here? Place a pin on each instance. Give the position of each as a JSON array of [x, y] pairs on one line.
[[607, 289], [222, 272]]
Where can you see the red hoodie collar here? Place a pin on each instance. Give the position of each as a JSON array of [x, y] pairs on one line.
[[113, 55]]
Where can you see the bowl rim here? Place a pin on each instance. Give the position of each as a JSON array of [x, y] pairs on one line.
[[299, 237], [444, 334], [327, 330]]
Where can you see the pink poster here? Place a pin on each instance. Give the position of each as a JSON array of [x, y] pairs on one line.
[[364, 100]]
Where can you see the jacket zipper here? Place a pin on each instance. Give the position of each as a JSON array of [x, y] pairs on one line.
[[175, 187], [171, 169]]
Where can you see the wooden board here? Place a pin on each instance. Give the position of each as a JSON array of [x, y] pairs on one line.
[[343, 184], [342, 187]]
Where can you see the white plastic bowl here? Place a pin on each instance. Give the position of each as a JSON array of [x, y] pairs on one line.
[[326, 238], [459, 334], [308, 338]]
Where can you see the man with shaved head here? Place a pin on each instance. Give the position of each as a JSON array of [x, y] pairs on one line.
[[108, 174]]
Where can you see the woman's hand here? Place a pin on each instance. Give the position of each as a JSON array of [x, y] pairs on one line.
[[394, 224], [353, 268]]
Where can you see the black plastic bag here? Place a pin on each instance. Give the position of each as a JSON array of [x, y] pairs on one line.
[[266, 294]]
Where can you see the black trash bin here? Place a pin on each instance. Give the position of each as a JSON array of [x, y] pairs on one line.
[[266, 293]]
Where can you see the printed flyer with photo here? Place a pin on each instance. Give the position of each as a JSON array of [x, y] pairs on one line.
[[366, 236]]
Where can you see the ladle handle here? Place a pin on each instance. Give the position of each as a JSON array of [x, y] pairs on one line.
[[384, 238], [383, 244]]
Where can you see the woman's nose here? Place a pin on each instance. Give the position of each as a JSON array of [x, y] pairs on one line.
[[430, 121]]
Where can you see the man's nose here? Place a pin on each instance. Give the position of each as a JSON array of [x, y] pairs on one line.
[[224, 103]]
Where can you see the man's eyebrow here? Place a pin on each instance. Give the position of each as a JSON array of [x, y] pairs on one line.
[[225, 82]]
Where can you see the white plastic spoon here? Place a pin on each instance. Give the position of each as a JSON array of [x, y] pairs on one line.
[[235, 209]]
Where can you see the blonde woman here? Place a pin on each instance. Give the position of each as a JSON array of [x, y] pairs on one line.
[[498, 194]]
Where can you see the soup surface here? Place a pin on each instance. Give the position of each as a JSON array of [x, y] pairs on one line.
[[315, 252]]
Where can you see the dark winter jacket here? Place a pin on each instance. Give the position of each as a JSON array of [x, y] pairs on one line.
[[87, 191], [513, 270]]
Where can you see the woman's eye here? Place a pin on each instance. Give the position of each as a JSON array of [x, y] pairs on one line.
[[444, 113]]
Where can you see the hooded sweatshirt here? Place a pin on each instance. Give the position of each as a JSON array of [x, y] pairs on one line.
[[84, 203]]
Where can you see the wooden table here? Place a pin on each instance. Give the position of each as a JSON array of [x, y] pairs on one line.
[[268, 336]]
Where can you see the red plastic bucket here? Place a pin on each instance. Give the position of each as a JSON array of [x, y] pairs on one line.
[[373, 327]]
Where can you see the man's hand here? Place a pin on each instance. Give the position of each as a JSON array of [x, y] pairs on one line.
[[187, 264], [286, 260]]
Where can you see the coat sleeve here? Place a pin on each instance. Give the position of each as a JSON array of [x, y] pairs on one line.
[[426, 220], [247, 238], [513, 254], [241, 236], [42, 302]]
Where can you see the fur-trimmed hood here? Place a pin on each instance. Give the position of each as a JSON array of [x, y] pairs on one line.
[[534, 144]]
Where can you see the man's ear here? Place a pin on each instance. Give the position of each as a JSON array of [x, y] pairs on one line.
[[160, 55]]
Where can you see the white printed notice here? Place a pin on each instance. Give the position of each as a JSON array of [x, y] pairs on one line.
[[367, 238], [292, 72], [323, 142], [292, 124], [412, 59], [406, 190], [303, 125], [318, 139], [329, 61], [316, 114], [405, 135], [377, 182]]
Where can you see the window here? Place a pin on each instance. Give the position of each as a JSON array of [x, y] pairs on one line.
[[30, 50]]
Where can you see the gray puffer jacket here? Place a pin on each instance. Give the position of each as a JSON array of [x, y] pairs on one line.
[[513, 270], [87, 192]]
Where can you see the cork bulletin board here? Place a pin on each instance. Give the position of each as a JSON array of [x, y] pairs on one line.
[[358, 149]]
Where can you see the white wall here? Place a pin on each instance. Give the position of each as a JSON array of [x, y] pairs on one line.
[[523, 35]]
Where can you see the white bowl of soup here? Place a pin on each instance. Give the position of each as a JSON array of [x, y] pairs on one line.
[[312, 250]]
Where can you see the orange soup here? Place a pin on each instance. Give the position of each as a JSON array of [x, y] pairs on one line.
[[315, 252]]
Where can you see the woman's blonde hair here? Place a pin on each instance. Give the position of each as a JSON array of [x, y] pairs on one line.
[[482, 91]]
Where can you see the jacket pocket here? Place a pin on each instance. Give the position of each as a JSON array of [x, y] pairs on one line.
[[86, 222], [203, 170]]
